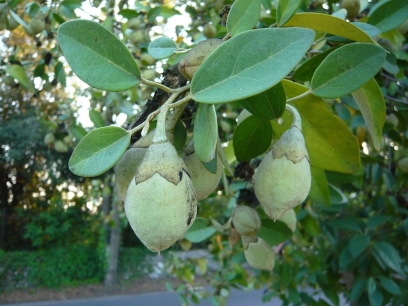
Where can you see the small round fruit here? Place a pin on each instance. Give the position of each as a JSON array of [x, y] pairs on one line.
[[209, 30], [203, 180], [60, 146], [196, 56], [137, 37], [37, 25], [403, 164], [260, 255], [352, 7], [246, 220], [49, 138], [134, 23]]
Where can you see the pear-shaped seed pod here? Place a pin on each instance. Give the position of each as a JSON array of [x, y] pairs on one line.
[[196, 56], [289, 218], [161, 203], [37, 25], [282, 180], [246, 220], [260, 255], [403, 164], [125, 170], [204, 181]]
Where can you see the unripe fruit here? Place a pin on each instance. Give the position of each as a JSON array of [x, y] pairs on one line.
[[161, 203], [125, 170], [8, 80], [147, 59], [260, 255], [149, 74], [137, 37], [196, 56], [203, 180], [283, 179], [68, 139], [60, 146], [134, 23], [289, 218], [403, 164], [12, 24], [37, 25], [209, 30], [352, 7], [49, 138], [246, 220]]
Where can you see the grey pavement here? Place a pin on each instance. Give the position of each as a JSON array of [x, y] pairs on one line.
[[237, 298]]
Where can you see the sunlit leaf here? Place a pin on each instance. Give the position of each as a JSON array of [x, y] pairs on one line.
[[274, 232], [319, 191], [243, 16], [286, 9], [96, 118], [389, 15], [99, 151], [97, 56], [162, 47], [227, 75], [205, 132], [199, 231]]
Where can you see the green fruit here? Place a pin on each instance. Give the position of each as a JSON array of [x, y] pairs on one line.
[[68, 139], [161, 203], [149, 74], [282, 180], [137, 37], [96, 3], [289, 218], [60, 146], [147, 59], [246, 220], [352, 7], [259, 254], [196, 56], [134, 23], [12, 24], [49, 138], [47, 86], [209, 30], [403, 164], [8, 80], [125, 170], [37, 25], [203, 180]]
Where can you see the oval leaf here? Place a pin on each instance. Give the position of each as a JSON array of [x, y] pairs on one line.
[[252, 137], [388, 254], [329, 24], [99, 151], [274, 232], [18, 72], [340, 153], [346, 69], [389, 285], [227, 75], [199, 231], [372, 106], [319, 190], [97, 56], [268, 105], [285, 10], [243, 16], [96, 118], [358, 244], [389, 15], [162, 47], [205, 132]]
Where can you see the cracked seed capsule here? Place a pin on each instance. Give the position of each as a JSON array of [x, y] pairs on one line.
[[246, 220]]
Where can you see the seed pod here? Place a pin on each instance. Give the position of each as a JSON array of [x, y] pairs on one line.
[[203, 180], [134, 23], [196, 56], [37, 25], [246, 220], [259, 254], [137, 37], [289, 218], [352, 7], [12, 24], [209, 30], [60, 146], [283, 179], [161, 203], [49, 138], [403, 164]]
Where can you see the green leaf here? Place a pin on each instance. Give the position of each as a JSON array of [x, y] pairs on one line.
[[358, 289], [346, 223], [274, 232], [285, 10], [128, 13], [227, 75], [78, 131], [243, 16], [389, 15], [205, 132], [358, 244], [375, 298], [340, 153], [99, 151], [252, 137], [162, 11], [319, 191], [269, 104], [199, 231], [389, 285], [388, 254], [18, 72], [96, 118], [346, 69], [162, 47], [180, 135], [371, 285], [371, 30], [211, 166], [336, 195], [372, 106], [305, 71], [345, 258], [97, 56], [329, 24], [377, 220]]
